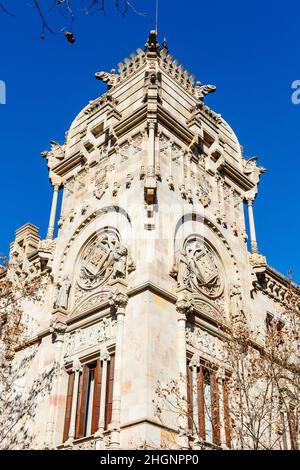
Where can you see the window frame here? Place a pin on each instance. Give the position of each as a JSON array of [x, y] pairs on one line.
[[84, 383]]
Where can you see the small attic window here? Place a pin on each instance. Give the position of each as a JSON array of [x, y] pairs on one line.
[[208, 139], [88, 145], [216, 155], [97, 130]]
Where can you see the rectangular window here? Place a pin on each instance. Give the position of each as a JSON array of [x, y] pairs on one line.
[[68, 407], [205, 395], [89, 398], [189, 397]]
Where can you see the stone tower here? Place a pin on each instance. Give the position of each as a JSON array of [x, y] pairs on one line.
[[149, 258]]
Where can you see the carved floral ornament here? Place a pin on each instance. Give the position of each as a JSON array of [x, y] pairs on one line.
[[103, 258], [198, 269]]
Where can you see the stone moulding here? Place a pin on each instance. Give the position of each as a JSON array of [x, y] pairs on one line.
[[208, 310], [69, 164], [92, 302]]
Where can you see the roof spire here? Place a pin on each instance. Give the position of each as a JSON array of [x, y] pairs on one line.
[[156, 18]]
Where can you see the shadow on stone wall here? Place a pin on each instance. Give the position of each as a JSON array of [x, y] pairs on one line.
[[19, 405]]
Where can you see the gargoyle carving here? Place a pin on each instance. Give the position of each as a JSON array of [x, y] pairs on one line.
[[202, 90], [55, 154], [109, 78], [252, 170]]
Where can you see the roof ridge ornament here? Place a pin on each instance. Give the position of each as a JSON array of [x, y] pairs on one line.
[[153, 50]]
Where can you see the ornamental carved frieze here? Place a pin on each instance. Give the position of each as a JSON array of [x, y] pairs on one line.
[[81, 180], [69, 186], [203, 341], [198, 269], [90, 336]]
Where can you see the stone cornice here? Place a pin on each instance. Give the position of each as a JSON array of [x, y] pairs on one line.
[[279, 277], [132, 121], [69, 164], [172, 124], [163, 117], [280, 289], [235, 175]]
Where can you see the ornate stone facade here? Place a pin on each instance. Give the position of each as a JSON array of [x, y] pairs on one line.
[[149, 263]]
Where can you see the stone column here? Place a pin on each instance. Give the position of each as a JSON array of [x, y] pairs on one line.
[[254, 248], [151, 148], [195, 363], [57, 328], [118, 302], [104, 358], [220, 378], [99, 436], [183, 307], [50, 233], [77, 367]]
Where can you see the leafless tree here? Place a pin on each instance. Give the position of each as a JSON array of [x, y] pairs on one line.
[[18, 406], [263, 387], [58, 16]]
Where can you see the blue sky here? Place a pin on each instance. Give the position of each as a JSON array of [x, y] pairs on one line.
[[248, 49]]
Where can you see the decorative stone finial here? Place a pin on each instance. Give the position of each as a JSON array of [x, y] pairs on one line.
[[164, 45], [152, 44]]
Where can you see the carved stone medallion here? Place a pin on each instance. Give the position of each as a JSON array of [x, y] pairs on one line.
[[103, 258], [199, 269]]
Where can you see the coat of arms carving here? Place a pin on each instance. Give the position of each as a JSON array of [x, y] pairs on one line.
[[103, 258], [198, 269]]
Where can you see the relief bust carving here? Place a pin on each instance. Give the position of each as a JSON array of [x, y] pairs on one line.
[[198, 269]]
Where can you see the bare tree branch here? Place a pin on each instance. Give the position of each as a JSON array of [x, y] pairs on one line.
[[71, 11]]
